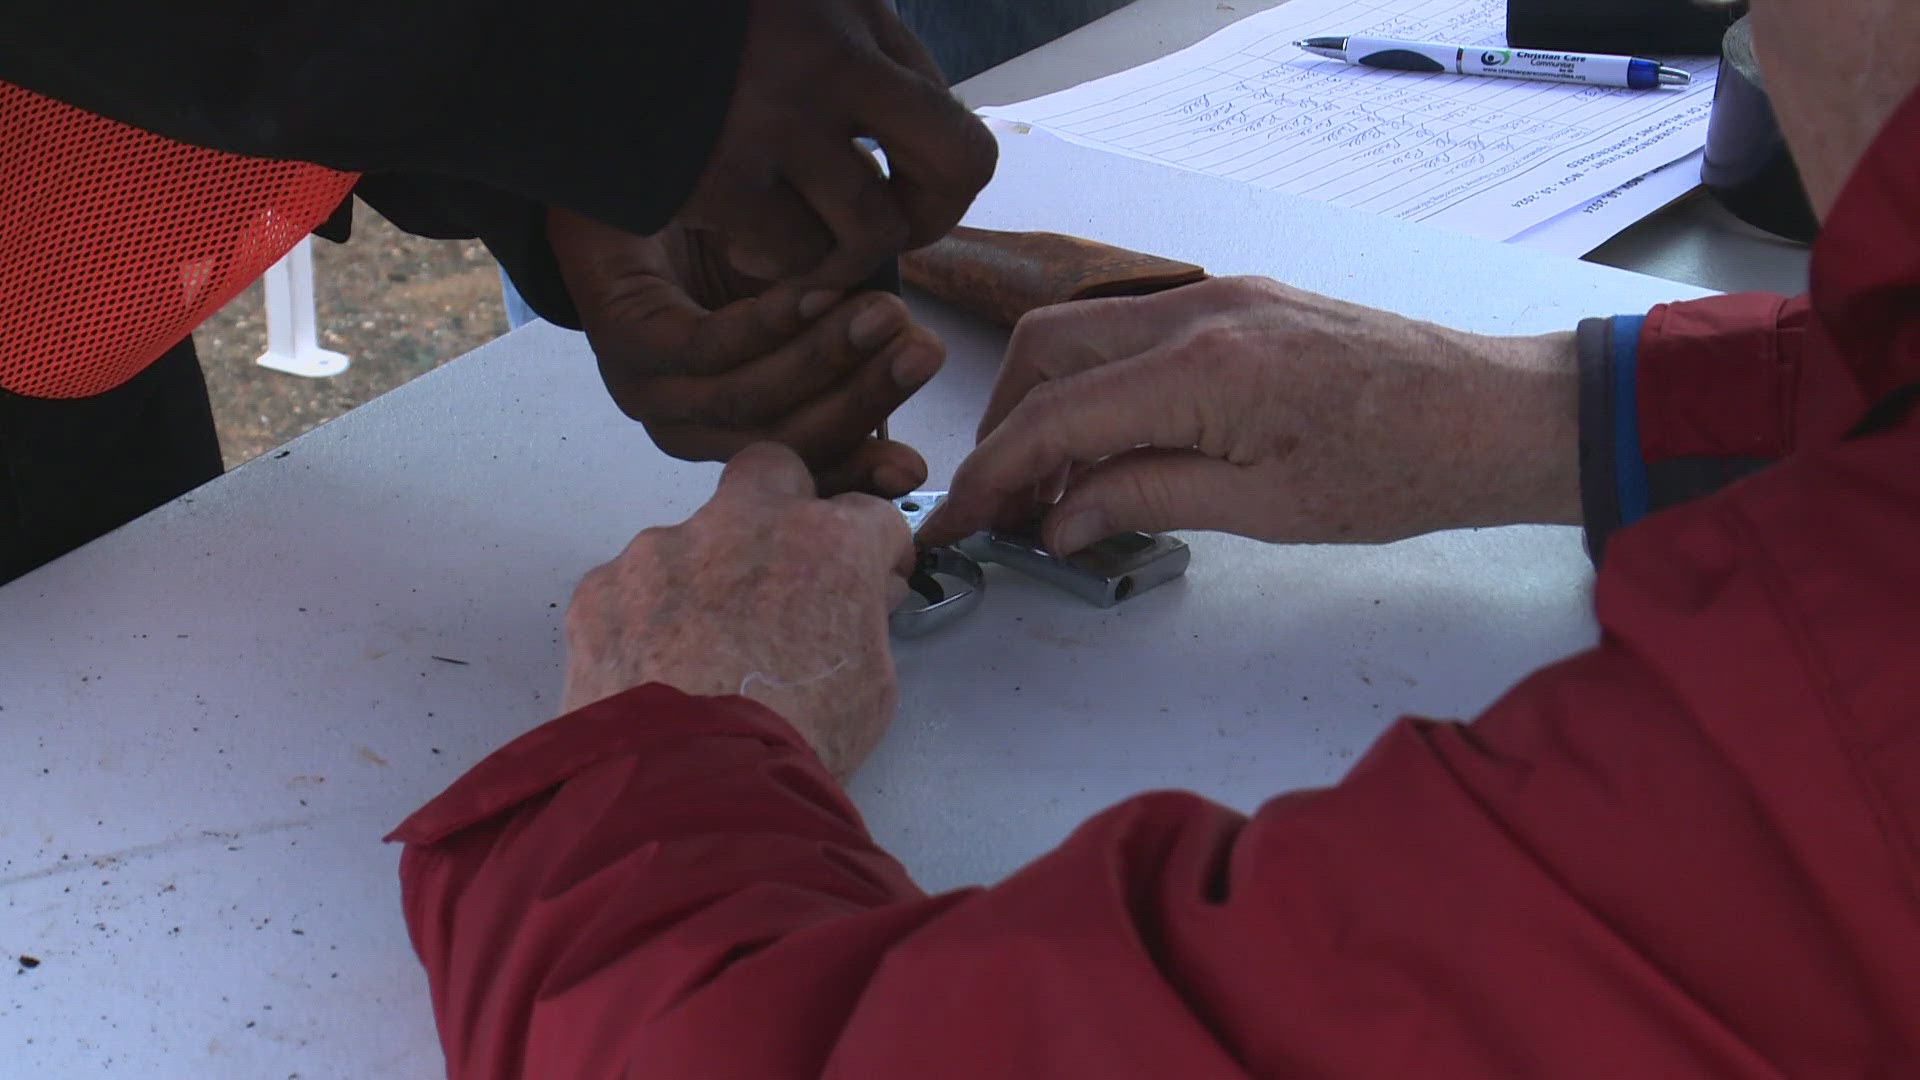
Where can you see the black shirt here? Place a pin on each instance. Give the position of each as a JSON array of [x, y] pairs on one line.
[[467, 117]]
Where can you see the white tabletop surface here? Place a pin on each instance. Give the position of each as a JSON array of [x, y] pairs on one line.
[[213, 714]]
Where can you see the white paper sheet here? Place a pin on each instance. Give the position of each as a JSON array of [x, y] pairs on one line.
[[1584, 228], [1489, 157]]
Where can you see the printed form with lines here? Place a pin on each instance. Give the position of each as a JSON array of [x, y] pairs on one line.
[[1490, 157]]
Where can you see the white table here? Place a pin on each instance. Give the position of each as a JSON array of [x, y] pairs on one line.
[[213, 714]]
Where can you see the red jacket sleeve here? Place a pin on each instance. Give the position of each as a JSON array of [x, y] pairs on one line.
[[1687, 852], [1747, 375]]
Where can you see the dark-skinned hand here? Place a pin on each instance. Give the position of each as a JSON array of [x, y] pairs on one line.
[[711, 360], [796, 199]]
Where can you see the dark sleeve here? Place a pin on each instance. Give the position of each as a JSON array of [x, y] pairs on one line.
[[1692, 396], [607, 109], [513, 228]]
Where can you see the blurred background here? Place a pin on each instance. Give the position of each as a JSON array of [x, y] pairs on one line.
[[397, 305]]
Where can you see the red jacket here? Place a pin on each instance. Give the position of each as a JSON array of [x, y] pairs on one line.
[[1690, 851]]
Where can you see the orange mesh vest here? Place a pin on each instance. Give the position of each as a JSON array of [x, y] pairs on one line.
[[115, 243]]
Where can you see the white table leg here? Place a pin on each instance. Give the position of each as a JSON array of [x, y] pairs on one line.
[[293, 343]]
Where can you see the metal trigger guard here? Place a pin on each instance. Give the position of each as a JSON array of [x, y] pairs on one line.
[[932, 603]]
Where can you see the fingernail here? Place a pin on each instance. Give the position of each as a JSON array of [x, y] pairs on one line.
[[894, 480], [815, 304], [871, 328], [1080, 530], [914, 367]]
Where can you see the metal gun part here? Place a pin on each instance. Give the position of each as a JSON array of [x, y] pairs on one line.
[[945, 584], [1123, 565], [1104, 574]]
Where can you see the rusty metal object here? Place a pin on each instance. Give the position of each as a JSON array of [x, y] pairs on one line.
[[1001, 276]]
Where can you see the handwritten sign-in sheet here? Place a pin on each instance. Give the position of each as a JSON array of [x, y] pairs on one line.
[[1491, 157]]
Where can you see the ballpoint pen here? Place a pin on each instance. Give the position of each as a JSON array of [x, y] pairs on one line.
[[1592, 69]]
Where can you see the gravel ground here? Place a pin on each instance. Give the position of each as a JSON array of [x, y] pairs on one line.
[[397, 305]]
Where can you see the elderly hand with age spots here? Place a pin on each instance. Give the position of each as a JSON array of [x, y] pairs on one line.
[[767, 592], [1247, 406]]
